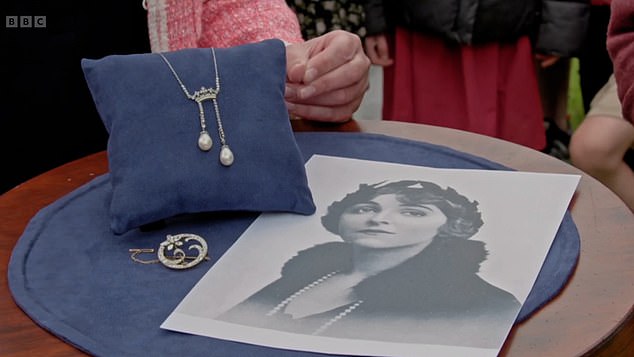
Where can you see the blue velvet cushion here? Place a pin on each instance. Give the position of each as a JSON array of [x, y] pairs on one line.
[[157, 169]]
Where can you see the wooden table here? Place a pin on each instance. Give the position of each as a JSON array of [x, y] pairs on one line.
[[594, 314]]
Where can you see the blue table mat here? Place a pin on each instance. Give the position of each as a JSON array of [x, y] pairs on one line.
[[75, 278]]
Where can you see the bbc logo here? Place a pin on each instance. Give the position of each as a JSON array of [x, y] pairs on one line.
[[26, 21]]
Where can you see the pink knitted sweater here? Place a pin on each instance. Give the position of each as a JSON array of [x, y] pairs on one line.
[[177, 24]]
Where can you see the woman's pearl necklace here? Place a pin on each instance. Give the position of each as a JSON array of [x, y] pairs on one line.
[[204, 139], [339, 316], [299, 292]]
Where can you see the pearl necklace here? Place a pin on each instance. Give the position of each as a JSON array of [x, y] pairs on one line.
[[204, 139], [299, 292]]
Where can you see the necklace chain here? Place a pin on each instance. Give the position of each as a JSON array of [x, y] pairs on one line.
[[204, 140], [180, 82]]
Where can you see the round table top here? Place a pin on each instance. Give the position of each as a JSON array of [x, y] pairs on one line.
[[594, 314]]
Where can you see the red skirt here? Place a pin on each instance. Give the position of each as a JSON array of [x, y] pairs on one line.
[[487, 89]]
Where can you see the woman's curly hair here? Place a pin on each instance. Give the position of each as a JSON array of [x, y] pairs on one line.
[[463, 218]]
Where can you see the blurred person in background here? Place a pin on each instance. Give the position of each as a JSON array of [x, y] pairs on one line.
[[469, 65]]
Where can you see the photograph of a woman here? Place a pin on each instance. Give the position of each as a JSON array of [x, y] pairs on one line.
[[398, 260], [404, 271]]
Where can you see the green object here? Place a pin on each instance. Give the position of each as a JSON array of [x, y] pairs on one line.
[[576, 111]]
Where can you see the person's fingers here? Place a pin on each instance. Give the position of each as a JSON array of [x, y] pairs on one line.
[[549, 61], [324, 113], [546, 60], [383, 51], [334, 50], [344, 76], [335, 77], [295, 73], [371, 49], [296, 59], [336, 97], [377, 50]]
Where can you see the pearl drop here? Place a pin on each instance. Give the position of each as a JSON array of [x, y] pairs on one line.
[[226, 156], [204, 141]]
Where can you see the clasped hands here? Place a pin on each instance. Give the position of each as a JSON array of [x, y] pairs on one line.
[[326, 77]]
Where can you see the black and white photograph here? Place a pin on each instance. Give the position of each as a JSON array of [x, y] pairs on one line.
[[397, 260]]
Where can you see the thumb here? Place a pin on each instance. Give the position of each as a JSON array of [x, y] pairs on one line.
[[296, 60]]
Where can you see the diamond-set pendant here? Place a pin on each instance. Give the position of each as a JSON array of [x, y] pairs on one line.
[[205, 143]]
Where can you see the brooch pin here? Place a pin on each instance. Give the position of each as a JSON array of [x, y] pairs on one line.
[[171, 252]]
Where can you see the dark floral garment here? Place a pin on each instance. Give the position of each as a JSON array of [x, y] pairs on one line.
[[319, 17]]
